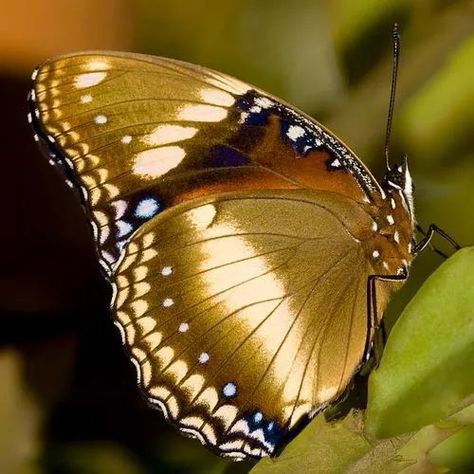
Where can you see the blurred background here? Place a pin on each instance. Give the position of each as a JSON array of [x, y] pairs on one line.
[[68, 400]]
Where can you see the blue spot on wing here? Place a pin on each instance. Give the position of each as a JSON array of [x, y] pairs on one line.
[[272, 432]]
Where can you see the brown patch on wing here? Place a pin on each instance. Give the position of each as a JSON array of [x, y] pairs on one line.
[[308, 171]]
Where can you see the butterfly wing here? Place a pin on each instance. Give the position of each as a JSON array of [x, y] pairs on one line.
[[137, 134], [245, 313], [239, 235]]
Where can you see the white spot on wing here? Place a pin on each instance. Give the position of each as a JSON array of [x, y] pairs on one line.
[[167, 302], [217, 97], [229, 389], [100, 119], [183, 327], [158, 161], [146, 208], [166, 271], [264, 102], [86, 99], [202, 113], [89, 79], [295, 132], [164, 134], [123, 227]]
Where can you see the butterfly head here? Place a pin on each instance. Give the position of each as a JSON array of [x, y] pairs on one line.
[[398, 179]]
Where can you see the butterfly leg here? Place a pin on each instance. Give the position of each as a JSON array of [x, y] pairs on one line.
[[356, 394], [428, 235], [374, 345]]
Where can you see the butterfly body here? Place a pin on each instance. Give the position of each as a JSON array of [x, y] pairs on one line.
[[239, 236]]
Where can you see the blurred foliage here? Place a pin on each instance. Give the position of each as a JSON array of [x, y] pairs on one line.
[[19, 419], [69, 405]]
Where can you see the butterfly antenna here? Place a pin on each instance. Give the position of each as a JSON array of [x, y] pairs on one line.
[[393, 90]]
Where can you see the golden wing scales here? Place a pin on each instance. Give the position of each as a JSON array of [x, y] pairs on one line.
[[253, 292]]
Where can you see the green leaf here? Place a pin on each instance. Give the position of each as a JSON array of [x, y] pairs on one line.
[[455, 452], [342, 447], [426, 370], [321, 447]]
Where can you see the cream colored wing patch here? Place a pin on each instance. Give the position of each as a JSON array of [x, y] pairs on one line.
[[120, 123], [244, 313]]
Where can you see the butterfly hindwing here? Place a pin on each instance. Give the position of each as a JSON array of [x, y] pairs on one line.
[[240, 328], [138, 134]]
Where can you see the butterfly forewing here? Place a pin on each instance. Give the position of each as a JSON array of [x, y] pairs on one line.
[[239, 326], [141, 134]]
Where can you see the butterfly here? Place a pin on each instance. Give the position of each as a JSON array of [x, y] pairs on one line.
[[251, 253]]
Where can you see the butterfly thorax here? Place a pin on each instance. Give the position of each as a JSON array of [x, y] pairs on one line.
[[393, 223]]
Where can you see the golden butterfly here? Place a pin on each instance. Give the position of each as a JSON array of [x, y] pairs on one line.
[[245, 243]]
